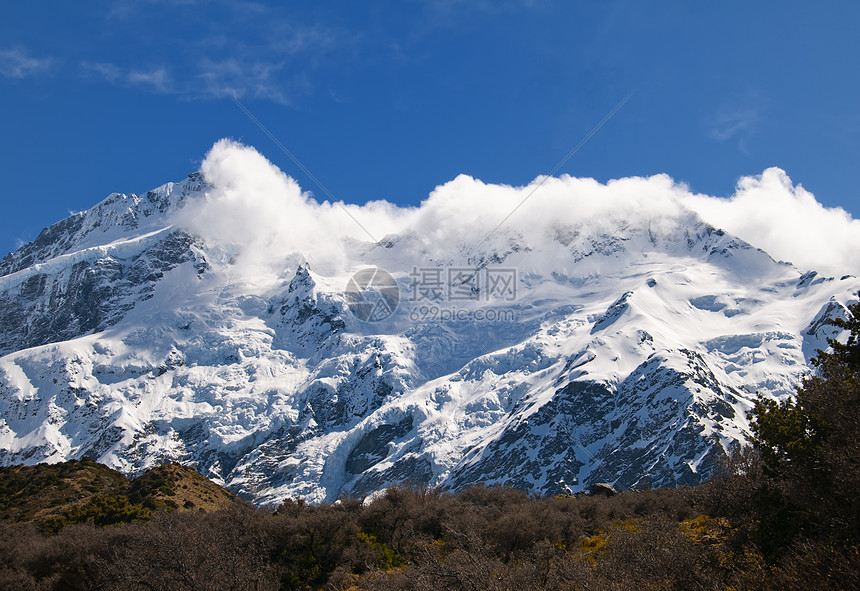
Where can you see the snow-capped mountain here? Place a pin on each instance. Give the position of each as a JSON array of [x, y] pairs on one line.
[[612, 344]]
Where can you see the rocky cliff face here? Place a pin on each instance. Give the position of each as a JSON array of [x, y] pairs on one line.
[[634, 356]]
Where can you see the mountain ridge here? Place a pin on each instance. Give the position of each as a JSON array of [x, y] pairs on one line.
[[624, 350]]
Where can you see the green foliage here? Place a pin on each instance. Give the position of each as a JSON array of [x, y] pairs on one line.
[[809, 448], [784, 432], [101, 510], [383, 556], [792, 432], [845, 354], [26, 489]]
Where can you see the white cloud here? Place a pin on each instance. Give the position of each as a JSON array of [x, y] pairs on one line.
[[786, 221], [738, 120], [261, 51], [728, 124], [155, 79], [260, 213], [255, 79], [109, 72], [126, 9], [210, 79], [17, 63]]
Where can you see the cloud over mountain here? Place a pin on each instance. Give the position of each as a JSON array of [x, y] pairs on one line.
[[258, 210]]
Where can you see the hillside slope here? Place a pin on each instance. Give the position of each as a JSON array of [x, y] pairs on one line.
[[61, 492]]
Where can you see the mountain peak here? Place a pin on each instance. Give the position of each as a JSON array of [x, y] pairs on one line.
[[211, 325]]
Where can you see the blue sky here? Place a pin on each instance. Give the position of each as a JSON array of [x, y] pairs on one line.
[[386, 100]]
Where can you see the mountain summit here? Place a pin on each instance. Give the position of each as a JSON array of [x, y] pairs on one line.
[[290, 348]]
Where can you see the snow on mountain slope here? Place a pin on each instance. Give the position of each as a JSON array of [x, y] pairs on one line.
[[619, 338], [82, 274]]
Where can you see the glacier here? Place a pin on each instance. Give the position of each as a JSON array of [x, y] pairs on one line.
[[628, 348]]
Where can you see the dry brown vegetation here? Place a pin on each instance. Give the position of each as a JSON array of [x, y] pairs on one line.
[[416, 539]]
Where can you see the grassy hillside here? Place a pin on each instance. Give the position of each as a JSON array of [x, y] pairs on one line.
[[54, 495], [174, 486]]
